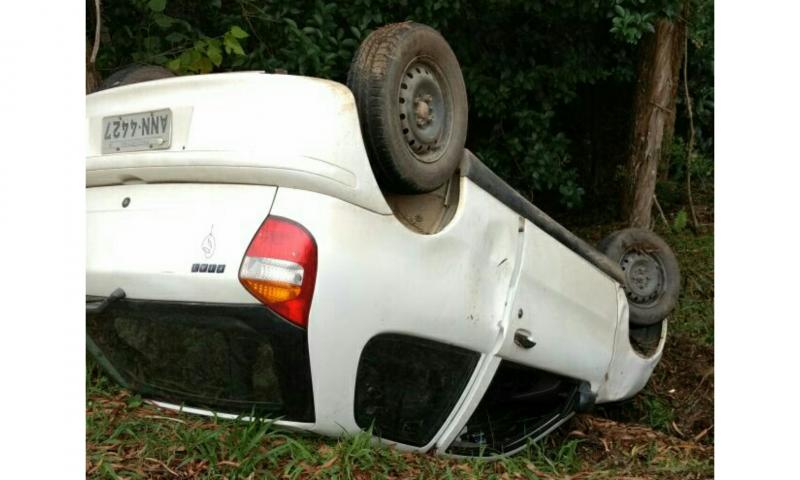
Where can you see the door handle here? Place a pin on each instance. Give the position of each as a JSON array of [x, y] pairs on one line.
[[523, 338]]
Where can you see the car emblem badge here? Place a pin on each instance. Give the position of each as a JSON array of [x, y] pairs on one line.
[[209, 244]]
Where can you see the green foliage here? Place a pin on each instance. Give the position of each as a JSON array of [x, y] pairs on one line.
[[630, 19], [671, 192], [681, 219], [701, 76], [207, 53], [165, 33], [157, 5], [659, 412], [631, 25], [562, 459], [532, 67], [694, 317]]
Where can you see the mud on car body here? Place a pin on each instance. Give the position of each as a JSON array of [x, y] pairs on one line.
[[332, 257]]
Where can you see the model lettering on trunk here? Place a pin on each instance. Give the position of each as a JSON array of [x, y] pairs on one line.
[[208, 268]]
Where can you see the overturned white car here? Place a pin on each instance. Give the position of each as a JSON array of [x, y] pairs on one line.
[[278, 246]]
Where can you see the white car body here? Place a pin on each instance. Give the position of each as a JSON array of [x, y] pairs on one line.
[[248, 145]]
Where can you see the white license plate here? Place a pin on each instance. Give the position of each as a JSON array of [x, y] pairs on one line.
[[137, 131]]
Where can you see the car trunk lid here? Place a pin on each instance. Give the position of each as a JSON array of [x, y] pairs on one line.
[[177, 242]]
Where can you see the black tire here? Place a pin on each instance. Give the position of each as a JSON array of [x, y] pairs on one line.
[[135, 74], [412, 105], [652, 275], [603, 244]]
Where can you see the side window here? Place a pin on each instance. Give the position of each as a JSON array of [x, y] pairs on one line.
[[241, 360], [521, 403], [407, 386]]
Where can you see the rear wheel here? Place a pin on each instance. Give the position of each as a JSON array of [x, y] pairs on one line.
[[135, 74], [412, 104]]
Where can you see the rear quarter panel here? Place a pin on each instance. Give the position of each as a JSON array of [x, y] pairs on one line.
[[376, 276]]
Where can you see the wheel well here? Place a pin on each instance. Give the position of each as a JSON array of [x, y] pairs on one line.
[[427, 213]]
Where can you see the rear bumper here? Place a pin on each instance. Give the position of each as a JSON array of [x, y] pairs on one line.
[[221, 134], [238, 359]]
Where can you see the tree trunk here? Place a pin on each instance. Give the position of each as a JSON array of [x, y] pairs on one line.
[[654, 116], [669, 130]]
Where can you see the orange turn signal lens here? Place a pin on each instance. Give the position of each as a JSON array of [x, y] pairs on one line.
[[270, 292]]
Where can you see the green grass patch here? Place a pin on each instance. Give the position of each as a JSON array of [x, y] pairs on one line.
[[660, 414], [694, 316]]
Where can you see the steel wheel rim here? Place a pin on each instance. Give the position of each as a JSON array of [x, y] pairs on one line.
[[645, 277], [425, 110]]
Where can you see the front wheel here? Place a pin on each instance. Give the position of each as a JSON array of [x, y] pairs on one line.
[[652, 275]]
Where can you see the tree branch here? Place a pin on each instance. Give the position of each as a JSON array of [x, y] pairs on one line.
[[660, 211], [690, 145], [97, 24]]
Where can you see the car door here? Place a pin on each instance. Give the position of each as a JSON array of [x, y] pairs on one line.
[[564, 311]]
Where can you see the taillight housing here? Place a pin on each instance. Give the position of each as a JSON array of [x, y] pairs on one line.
[[280, 268]]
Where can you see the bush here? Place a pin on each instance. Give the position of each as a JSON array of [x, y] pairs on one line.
[[549, 83]]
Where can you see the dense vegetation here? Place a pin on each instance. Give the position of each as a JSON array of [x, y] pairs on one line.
[[550, 83]]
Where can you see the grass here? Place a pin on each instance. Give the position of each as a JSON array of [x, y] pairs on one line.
[[664, 432], [694, 317]]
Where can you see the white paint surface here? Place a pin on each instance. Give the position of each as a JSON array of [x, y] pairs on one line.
[[244, 128]]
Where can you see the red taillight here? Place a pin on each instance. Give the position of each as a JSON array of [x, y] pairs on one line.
[[280, 268]]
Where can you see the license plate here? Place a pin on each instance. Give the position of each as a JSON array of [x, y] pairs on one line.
[[137, 131]]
